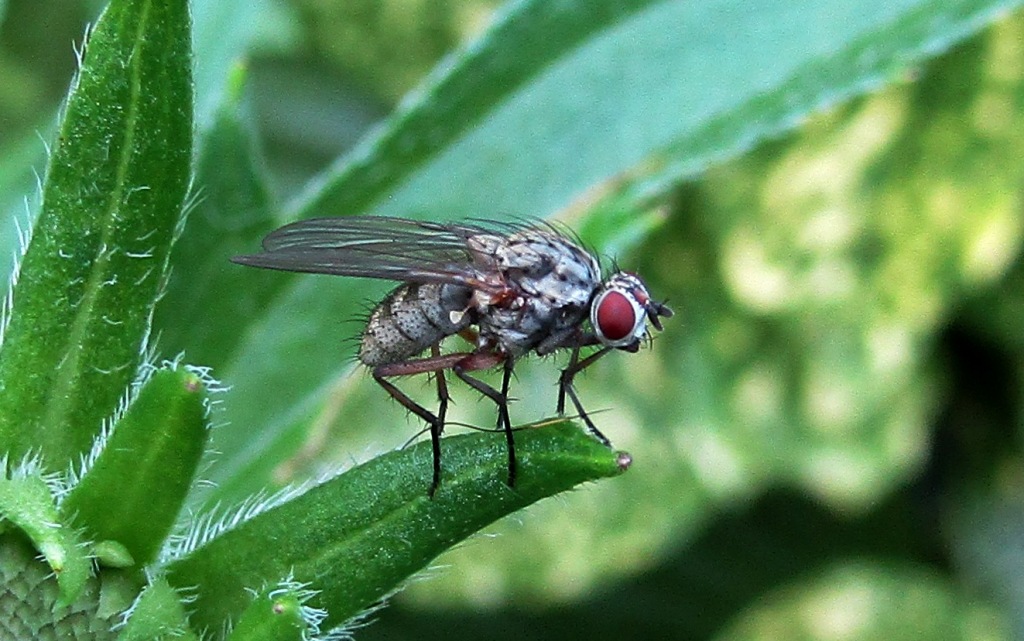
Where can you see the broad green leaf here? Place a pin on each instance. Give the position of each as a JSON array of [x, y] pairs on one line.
[[112, 199], [810, 280], [558, 97], [359, 536], [133, 490], [553, 100]]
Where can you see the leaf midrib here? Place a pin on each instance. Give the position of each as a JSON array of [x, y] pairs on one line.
[[68, 373]]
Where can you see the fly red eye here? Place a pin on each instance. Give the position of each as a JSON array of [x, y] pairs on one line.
[[615, 316]]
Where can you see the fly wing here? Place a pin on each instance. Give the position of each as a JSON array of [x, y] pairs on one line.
[[377, 247]]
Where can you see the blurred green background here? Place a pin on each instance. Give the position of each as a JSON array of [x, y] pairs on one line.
[[826, 436]]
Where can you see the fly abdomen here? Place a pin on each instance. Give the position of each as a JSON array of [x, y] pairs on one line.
[[412, 318]]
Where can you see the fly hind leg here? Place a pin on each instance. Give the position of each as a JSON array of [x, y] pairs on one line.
[[436, 364], [435, 421], [485, 360], [460, 363]]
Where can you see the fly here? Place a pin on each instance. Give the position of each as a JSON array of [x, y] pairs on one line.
[[510, 289]]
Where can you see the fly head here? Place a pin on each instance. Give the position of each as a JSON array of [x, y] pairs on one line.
[[620, 311]]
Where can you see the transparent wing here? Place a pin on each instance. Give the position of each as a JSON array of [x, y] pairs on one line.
[[377, 247]]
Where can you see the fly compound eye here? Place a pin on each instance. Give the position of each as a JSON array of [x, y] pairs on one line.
[[617, 317]]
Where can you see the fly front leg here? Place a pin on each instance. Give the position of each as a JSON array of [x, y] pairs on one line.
[[486, 361], [565, 387], [574, 339]]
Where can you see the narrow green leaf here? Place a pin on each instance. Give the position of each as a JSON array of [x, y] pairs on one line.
[[112, 198], [26, 502], [158, 614], [226, 32], [357, 537], [133, 491]]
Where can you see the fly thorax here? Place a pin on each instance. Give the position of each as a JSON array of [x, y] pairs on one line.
[[549, 279], [485, 247], [548, 266]]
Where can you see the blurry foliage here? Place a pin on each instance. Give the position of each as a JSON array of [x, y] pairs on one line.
[[827, 435], [389, 45], [35, 77]]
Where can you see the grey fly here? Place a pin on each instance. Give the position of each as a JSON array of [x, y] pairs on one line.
[[509, 289]]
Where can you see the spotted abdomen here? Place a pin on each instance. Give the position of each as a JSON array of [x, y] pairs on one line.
[[411, 319]]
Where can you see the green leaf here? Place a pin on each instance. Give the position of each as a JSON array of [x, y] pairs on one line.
[[18, 199], [226, 33], [234, 212], [615, 82], [555, 99], [112, 199], [277, 616], [812, 280], [158, 614], [148, 463], [356, 538], [119, 589], [112, 554], [26, 501]]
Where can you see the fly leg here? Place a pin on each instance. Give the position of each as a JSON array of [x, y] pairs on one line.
[[442, 411], [442, 388], [436, 364], [435, 422], [485, 361], [565, 386]]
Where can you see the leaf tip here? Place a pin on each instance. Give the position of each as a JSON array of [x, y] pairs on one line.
[[623, 460], [192, 383]]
